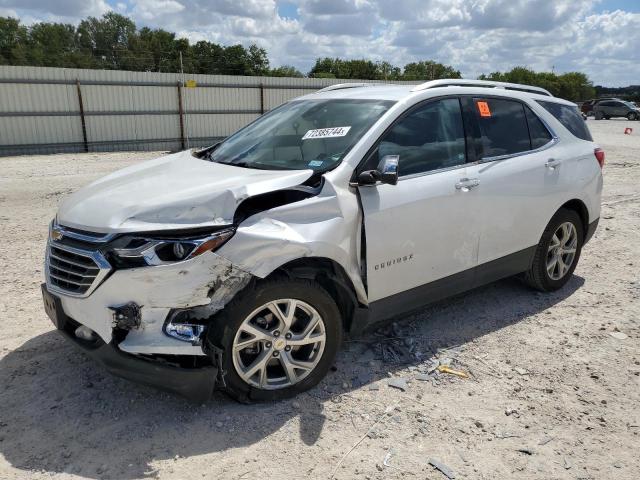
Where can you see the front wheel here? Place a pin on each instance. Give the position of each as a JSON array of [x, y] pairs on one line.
[[631, 116], [557, 252], [279, 339]]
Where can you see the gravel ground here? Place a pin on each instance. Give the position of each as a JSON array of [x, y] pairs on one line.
[[551, 394]]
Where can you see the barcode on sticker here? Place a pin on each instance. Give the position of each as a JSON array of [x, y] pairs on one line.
[[326, 133]]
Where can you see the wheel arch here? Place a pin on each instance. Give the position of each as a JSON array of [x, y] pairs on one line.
[[333, 278], [581, 209]]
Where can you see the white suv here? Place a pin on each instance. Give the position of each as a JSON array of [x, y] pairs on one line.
[[241, 265]]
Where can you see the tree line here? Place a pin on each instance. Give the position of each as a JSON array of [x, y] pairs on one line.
[[114, 42]]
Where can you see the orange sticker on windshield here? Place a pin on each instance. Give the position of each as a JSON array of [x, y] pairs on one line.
[[483, 108]]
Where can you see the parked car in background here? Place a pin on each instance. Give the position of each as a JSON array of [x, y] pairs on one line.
[[615, 108], [587, 107], [242, 265]]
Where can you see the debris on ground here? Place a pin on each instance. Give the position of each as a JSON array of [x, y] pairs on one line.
[[546, 439], [521, 371], [387, 457], [446, 471], [526, 451], [451, 371], [399, 383], [618, 335]]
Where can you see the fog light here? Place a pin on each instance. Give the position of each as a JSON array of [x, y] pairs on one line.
[[85, 333], [187, 332]]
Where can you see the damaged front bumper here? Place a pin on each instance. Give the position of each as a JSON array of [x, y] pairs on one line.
[[196, 384], [135, 321]]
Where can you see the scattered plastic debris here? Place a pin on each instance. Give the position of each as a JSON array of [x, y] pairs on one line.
[[387, 457], [619, 335], [446, 471], [399, 383], [526, 451], [521, 371], [628, 131]]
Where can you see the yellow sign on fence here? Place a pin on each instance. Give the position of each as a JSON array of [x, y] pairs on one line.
[[190, 84]]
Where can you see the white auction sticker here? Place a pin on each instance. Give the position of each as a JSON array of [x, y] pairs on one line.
[[326, 133]]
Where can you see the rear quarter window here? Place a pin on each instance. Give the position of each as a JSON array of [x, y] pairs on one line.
[[569, 117]]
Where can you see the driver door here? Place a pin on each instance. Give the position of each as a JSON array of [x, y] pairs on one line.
[[422, 233]]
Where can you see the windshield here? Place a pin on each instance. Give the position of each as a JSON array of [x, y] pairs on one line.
[[305, 134], [630, 104]]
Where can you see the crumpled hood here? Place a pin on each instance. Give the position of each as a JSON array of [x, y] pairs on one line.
[[172, 192]]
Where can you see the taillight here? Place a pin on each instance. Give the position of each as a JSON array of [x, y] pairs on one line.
[[599, 153]]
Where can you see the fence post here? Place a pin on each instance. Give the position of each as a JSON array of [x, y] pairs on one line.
[[84, 126], [261, 99], [181, 113]]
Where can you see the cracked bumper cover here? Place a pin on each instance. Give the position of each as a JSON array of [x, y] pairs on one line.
[[196, 384]]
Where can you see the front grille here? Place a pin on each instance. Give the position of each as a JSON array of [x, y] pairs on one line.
[[72, 271]]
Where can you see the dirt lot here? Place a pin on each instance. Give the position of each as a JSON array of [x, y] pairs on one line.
[[552, 393]]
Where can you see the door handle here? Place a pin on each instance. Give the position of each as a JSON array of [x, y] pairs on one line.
[[466, 184], [552, 163]]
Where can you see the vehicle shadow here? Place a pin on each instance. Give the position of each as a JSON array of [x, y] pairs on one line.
[[60, 412]]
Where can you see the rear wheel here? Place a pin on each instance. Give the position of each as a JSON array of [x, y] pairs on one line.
[[279, 339], [631, 116], [557, 253]]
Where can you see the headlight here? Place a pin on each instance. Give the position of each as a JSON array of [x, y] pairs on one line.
[[137, 251]]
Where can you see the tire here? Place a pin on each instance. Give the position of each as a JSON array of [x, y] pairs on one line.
[[229, 328], [598, 116], [607, 117], [631, 116], [539, 276]]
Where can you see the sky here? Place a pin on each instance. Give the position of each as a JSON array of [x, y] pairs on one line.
[[598, 37]]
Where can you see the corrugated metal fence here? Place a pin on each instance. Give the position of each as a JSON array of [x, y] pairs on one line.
[[48, 110]]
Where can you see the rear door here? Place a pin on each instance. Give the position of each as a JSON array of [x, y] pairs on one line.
[[516, 173], [424, 228]]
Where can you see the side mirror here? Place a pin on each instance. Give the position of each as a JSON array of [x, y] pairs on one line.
[[387, 172]]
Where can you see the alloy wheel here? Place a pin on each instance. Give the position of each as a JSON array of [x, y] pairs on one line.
[[562, 250], [279, 344]]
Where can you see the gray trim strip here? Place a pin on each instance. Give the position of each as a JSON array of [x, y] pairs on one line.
[[157, 84], [109, 142], [127, 112]]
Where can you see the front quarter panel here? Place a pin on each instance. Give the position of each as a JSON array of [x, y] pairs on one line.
[[326, 226]]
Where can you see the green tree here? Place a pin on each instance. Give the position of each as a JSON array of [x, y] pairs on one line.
[[572, 85], [13, 42], [428, 70], [285, 71], [54, 45], [108, 39]]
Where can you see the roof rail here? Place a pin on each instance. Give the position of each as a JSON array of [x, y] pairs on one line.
[[340, 86], [480, 83]]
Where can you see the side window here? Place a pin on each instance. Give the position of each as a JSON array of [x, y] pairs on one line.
[[570, 117], [503, 127], [429, 138], [539, 134]]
